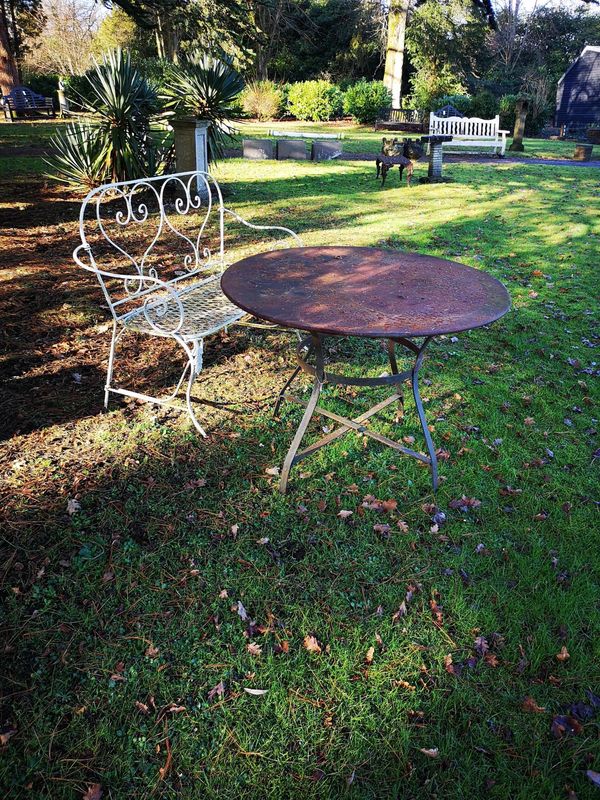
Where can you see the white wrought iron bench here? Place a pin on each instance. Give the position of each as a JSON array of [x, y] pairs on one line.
[[157, 247], [470, 133]]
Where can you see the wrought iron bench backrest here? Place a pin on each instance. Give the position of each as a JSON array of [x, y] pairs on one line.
[[155, 234]]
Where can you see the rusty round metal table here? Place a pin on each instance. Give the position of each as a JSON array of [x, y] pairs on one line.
[[362, 292]]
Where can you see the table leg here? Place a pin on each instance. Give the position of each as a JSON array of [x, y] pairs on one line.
[[422, 419], [391, 348], [317, 346], [289, 382]]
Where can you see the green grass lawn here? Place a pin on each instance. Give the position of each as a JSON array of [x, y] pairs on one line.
[[356, 138], [451, 660]]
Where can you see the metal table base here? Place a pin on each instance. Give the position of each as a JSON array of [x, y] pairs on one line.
[[313, 344]]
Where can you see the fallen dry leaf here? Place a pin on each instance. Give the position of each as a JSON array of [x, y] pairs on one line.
[[73, 506], [530, 705], [529, 421], [272, 471], [343, 514], [431, 752], [402, 525], [93, 792], [312, 645], [217, 691], [142, 707], [254, 649], [563, 655], [4, 737], [152, 651], [255, 692], [370, 655], [282, 647], [565, 726], [241, 611]]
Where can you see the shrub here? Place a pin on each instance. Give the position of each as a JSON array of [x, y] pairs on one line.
[[116, 145], [507, 105], [318, 101], [428, 84], [208, 89], [78, 89], [263, 100], [461, 102], [484, 105], [365, 100], [44, 84]]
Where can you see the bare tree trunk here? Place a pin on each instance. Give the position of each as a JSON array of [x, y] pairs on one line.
[[9, 74], [394, 55]]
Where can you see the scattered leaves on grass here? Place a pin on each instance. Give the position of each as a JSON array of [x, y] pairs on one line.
[[563, 655], [93, 792], [383, 529], [531, 706], [565, 725], [311, 644], [464, 503]]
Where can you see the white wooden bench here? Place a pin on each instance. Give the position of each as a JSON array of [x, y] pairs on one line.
[[157, 248], [470, 133]]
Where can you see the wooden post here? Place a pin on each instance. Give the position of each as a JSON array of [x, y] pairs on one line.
[[522, 108]]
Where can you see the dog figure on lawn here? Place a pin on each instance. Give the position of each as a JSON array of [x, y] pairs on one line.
[[401, 153]]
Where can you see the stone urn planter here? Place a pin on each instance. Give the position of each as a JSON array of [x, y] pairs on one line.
[[593, 135]]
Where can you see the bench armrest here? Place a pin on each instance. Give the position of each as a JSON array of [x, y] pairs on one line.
[[297, 241]]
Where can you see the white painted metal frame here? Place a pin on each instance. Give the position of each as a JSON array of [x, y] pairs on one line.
[[187, 308], [470, 132]]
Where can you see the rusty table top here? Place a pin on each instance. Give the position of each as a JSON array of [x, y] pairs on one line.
[[364, 291]]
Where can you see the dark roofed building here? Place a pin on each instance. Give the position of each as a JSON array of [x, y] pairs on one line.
[[578, 91]]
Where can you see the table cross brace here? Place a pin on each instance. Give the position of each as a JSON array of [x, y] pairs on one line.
[[314, 344]]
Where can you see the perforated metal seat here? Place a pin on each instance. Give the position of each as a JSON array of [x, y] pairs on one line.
[[206, 310]]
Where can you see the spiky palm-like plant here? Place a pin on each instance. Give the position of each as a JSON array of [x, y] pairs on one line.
[[118, 144], [205, 88]]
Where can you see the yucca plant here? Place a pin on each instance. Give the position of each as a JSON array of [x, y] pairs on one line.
[[77, 157], [206, 88], [118, 144]]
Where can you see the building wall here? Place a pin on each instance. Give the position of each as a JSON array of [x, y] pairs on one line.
[[578, 91]]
